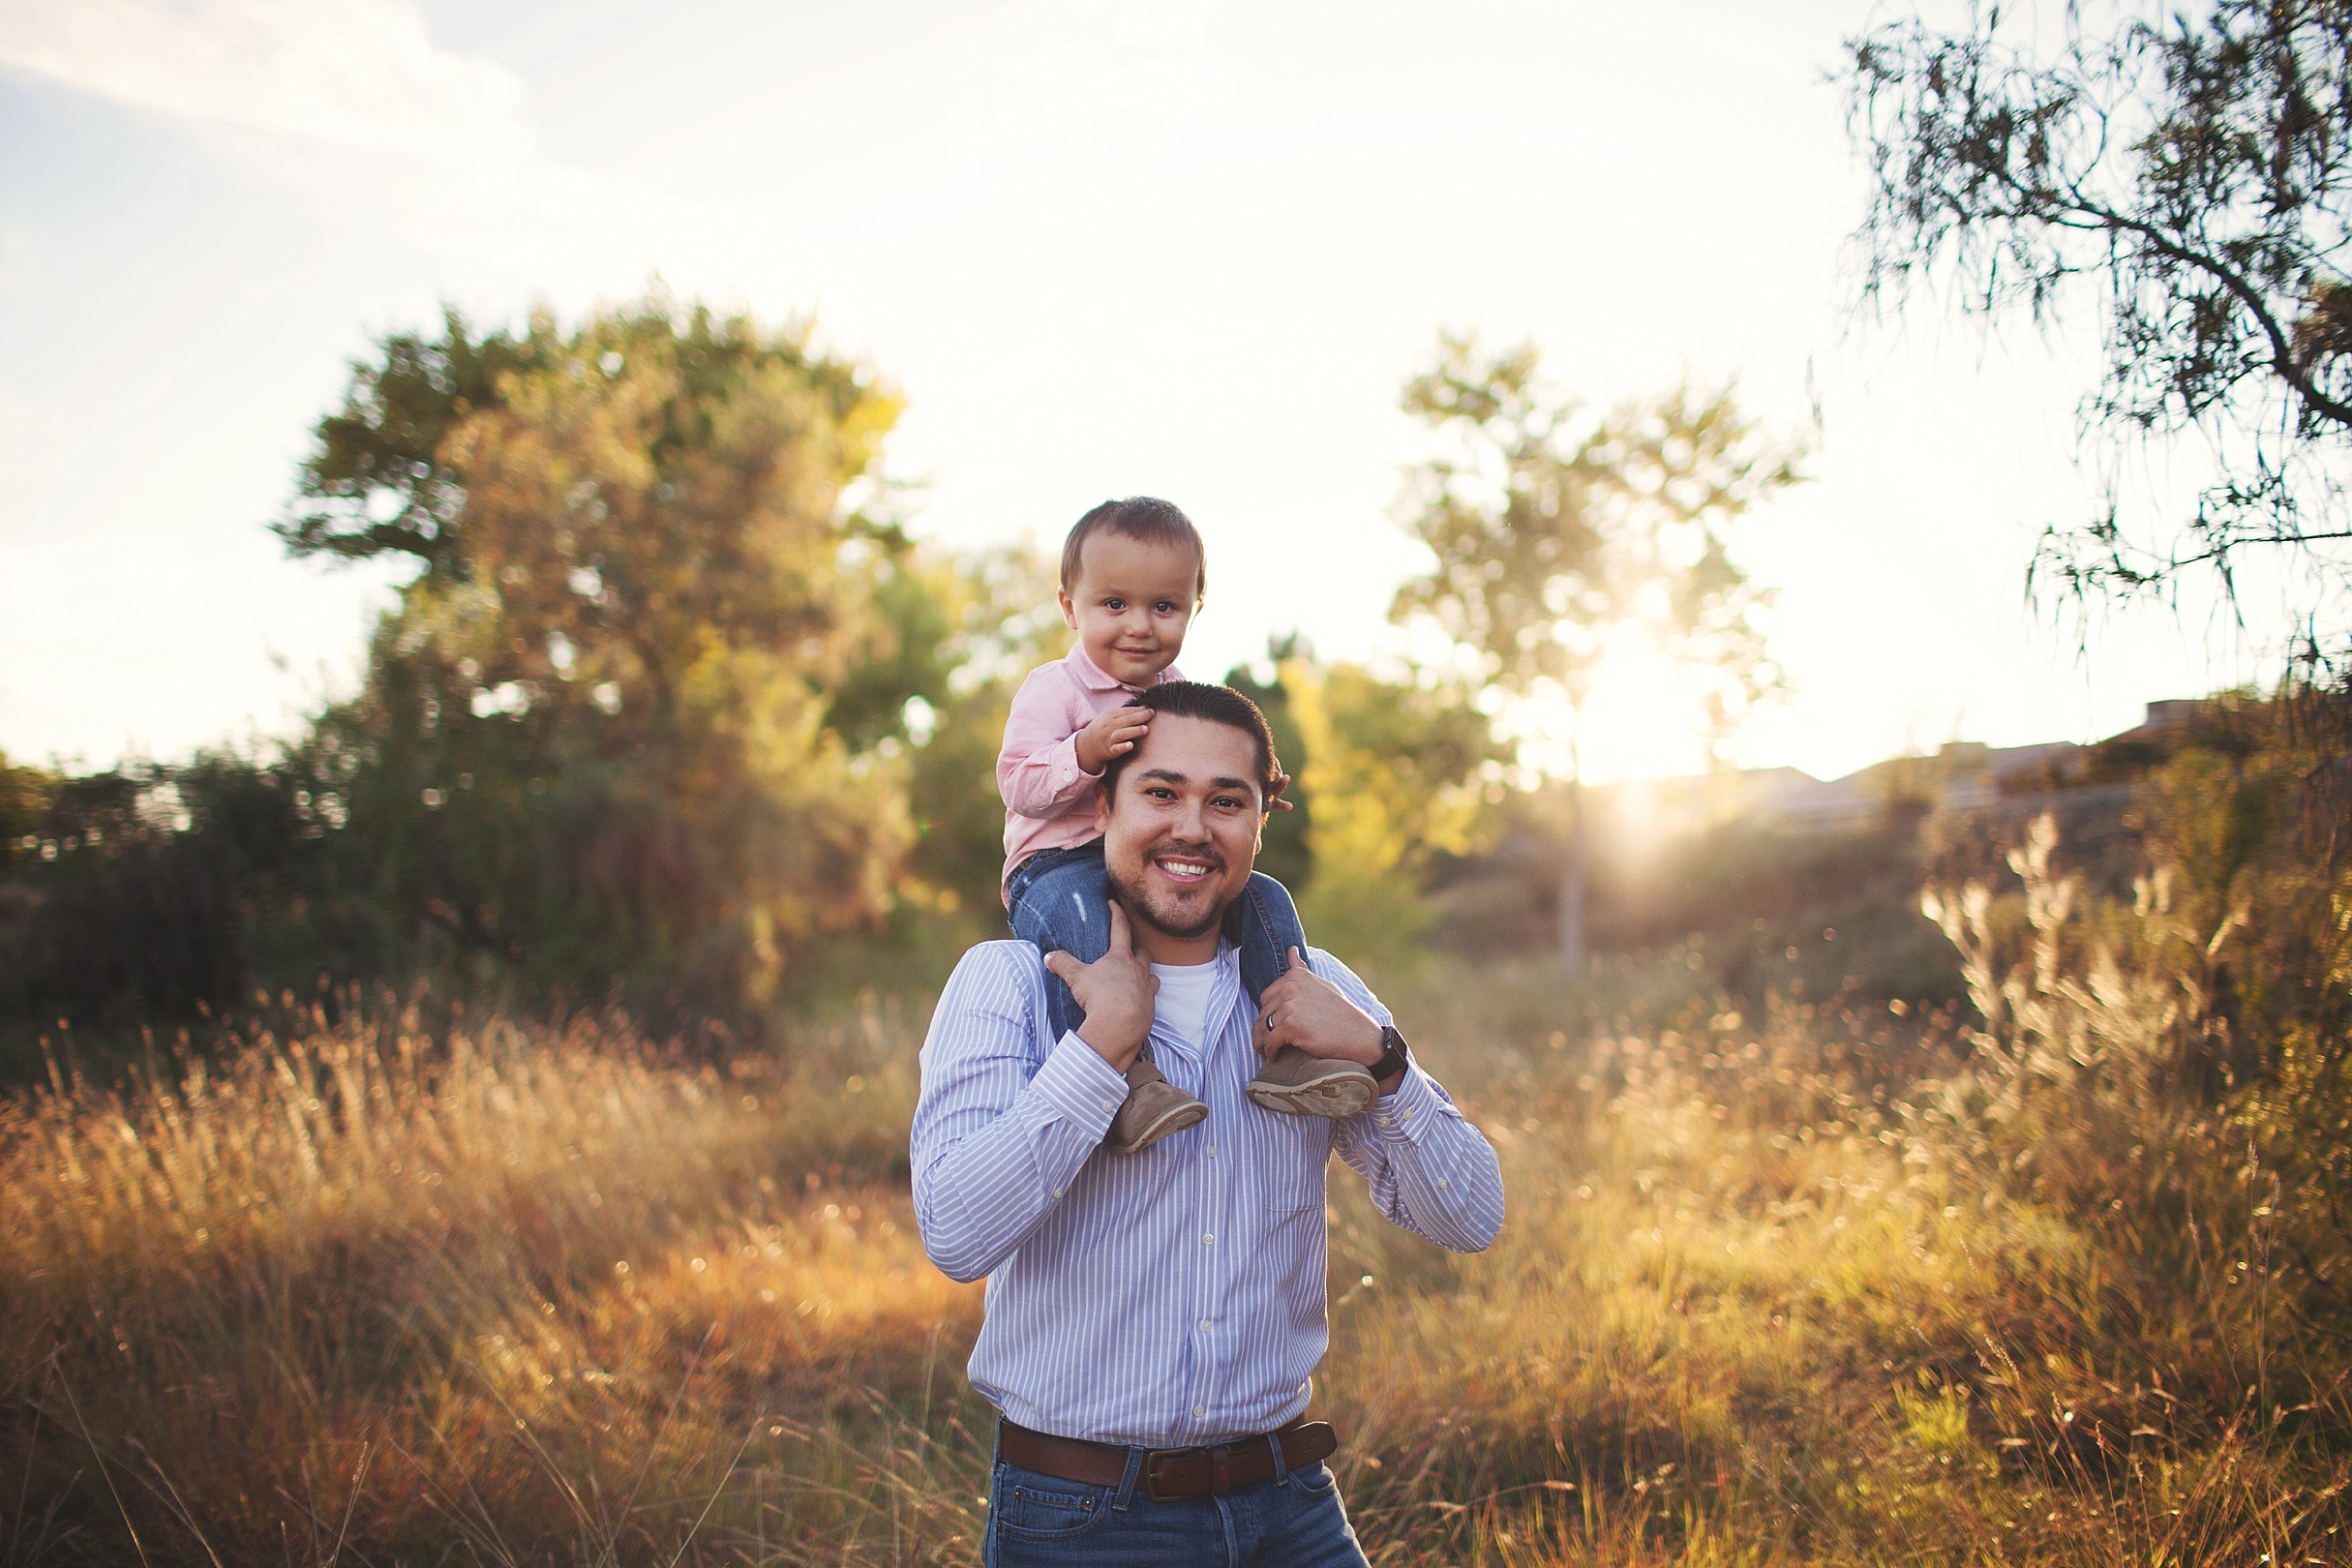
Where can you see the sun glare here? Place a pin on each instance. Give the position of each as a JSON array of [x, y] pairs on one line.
[[1644, 720]]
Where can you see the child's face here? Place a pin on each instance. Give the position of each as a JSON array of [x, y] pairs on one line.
[[1130, 605]]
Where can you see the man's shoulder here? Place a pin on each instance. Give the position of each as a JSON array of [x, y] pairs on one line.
[[996, 977], [1005, 956], [1003, 951]]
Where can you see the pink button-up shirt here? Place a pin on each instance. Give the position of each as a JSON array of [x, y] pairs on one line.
[[1049, 799]]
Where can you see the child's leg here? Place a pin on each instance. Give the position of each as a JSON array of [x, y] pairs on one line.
[[1064, 906], [1263, 925]]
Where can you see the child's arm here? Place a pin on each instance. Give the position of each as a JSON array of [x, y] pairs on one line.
[[1047, 767]]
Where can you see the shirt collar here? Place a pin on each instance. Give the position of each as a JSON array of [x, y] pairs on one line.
[[1094, 678], [1225, 996]]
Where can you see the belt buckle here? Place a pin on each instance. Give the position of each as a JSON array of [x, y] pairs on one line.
[[1151, 1471]]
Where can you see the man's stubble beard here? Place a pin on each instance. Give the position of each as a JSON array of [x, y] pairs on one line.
[[1139, 905]]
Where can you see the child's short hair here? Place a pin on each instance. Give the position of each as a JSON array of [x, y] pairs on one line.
[[1145, 519], [1218, 705]]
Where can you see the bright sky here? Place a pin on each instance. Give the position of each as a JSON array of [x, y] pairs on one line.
[[1179, 247]]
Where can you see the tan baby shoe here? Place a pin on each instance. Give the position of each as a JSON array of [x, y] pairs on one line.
[[1297, 1084], [1153, 1109]]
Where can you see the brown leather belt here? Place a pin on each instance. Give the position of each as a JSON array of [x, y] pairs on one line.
[[1168, 1473]]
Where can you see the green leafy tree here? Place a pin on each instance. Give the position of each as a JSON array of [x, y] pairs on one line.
[[2179, 178], [1560, 536], [629, 721], [1005, 624], [1287, 854], [1392, 772], [24, 802]]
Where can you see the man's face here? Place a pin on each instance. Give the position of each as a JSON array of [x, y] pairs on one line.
[[1180, 837]]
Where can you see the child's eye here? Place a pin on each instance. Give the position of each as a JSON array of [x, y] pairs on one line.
[[1114, 604], [1165, 607]]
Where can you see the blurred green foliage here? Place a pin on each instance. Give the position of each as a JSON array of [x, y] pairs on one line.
[[675, 713], [644, 724]]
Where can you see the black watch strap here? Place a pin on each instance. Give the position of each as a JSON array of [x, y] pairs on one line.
[[1393, 1056]]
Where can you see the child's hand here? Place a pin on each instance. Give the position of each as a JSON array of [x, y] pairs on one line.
[[1112, 733], [1273, 795]]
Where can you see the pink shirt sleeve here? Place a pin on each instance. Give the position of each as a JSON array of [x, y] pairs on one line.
[[1037, 773]]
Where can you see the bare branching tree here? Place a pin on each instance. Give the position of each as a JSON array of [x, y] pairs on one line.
[[2182, 176], [1558, 531]]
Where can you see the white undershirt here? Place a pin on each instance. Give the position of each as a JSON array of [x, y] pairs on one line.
[[1182, 1002]]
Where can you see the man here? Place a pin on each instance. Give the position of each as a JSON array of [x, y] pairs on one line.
[[1154, 1320]]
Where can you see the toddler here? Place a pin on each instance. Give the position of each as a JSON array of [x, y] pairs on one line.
[[1134, 573]]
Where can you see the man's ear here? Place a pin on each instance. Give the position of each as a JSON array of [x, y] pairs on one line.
[[1070, 610], [1102, 804]]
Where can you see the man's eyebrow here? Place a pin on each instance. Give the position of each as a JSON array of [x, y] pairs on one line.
[[1225, 781]]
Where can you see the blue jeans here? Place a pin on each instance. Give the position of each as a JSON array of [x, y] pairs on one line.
[[1057, 899], [1294, 1521]]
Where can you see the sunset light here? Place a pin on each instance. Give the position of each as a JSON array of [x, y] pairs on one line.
[[1049, 783]]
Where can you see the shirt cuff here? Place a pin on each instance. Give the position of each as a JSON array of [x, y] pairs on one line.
[[1083, 1089], [1401, 1117]]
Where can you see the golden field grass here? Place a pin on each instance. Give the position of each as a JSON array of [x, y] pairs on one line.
[[368, 1291]]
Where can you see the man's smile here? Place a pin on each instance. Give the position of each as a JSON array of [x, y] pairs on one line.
[[1184, 867]]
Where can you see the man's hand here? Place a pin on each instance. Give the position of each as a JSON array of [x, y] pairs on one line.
[[1116, 994], [1113, 733], [1305, 1009]]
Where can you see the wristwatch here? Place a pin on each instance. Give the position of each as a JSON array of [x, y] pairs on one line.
[[1393, 1056]]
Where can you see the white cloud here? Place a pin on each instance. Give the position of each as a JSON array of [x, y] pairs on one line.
[[353, 73], [352, 103]]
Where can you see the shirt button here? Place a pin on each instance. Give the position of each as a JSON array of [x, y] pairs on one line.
[[1110, 1104], [1057, 1192], [1440, 1181], [1200, 1409], [1207, 1240], [1211, 1151]]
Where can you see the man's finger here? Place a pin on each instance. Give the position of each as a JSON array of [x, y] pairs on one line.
[[1270, 1037], [1062, 965], [1122, 942]]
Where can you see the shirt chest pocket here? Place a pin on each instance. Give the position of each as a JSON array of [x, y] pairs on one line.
[[1287, 1155]]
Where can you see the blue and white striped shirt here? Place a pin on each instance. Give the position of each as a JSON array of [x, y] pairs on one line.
[[1175, 1296]]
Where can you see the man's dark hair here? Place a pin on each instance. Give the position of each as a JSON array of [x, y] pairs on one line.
[[1145, 519], [1218, 705]]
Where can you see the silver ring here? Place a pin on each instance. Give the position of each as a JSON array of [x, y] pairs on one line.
[[1270, 1017]]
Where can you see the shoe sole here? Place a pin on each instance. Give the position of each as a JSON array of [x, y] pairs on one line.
[[1173, 1120], [1339, 1096]]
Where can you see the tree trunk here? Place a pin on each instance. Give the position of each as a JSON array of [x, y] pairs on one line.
[[1573, 954]]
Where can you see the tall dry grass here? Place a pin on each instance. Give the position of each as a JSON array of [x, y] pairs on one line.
[[1771, 1291], [512, 1295]]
